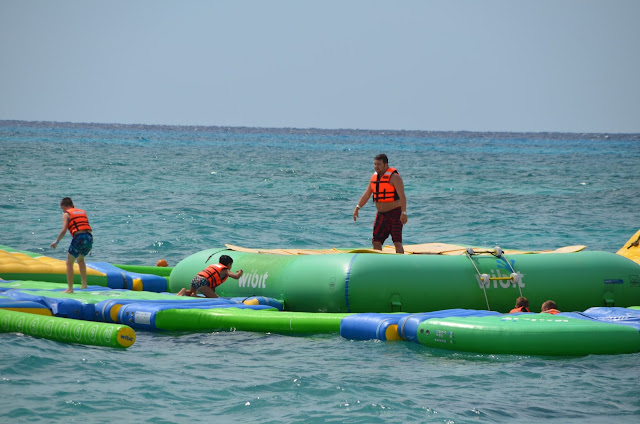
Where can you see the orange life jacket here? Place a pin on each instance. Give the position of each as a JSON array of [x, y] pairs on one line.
[[519, 309], [78, 221], [212, 274], [551, 311], [382, 190]]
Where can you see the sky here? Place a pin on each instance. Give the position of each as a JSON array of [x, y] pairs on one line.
[[507, 65]]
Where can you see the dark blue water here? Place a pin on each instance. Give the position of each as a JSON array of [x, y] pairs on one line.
[[167, 192]]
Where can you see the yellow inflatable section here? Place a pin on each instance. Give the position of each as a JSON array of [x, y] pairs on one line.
[[631, 248], [16, 265]]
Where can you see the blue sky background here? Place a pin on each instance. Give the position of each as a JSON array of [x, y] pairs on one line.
[[503, 65]]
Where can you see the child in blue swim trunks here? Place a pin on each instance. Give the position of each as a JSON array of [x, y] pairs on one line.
[[76, 222], [211, 277]]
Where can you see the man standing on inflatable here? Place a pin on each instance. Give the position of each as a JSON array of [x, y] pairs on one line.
[[388, 195]]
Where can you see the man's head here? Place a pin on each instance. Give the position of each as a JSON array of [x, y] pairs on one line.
[[380, 163], [382, 158]]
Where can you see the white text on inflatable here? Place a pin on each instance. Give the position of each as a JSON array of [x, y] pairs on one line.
[[253, 280]]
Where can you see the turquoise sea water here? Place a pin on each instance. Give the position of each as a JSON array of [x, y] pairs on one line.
[[166, 192]]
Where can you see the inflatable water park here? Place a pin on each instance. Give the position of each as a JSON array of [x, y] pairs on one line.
[[442, 296]]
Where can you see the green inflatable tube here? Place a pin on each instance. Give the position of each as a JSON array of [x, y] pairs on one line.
[[67, 330], [370, 282], [528, 334], [266, 321]]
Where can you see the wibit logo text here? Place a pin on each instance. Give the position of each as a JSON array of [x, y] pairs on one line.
[[253, 280], [503, 283]]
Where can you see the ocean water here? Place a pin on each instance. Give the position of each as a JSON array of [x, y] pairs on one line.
[[157, 192]]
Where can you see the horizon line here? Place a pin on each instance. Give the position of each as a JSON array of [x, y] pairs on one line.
[[234, 128]]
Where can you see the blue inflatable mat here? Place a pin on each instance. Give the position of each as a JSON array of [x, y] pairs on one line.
[[368, 326], [103, 308], [623, 316], [60, 307], [609, 315], [20, 305], [120, 279]]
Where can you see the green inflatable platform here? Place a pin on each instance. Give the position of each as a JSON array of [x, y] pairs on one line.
[[371, 282]]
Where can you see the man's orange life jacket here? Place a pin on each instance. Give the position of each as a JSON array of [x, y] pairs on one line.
[[382, 190], [212, 274], [78, 221]]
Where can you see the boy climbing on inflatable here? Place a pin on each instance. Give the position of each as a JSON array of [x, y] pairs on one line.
[[211, 277]]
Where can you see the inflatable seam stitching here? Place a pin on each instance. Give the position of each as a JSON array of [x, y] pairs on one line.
[[346, 283]]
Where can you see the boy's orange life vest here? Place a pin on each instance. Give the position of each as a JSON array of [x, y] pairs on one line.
[[212, 274], [382, 190], [78, 221], [519, 309], [551, 311]]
